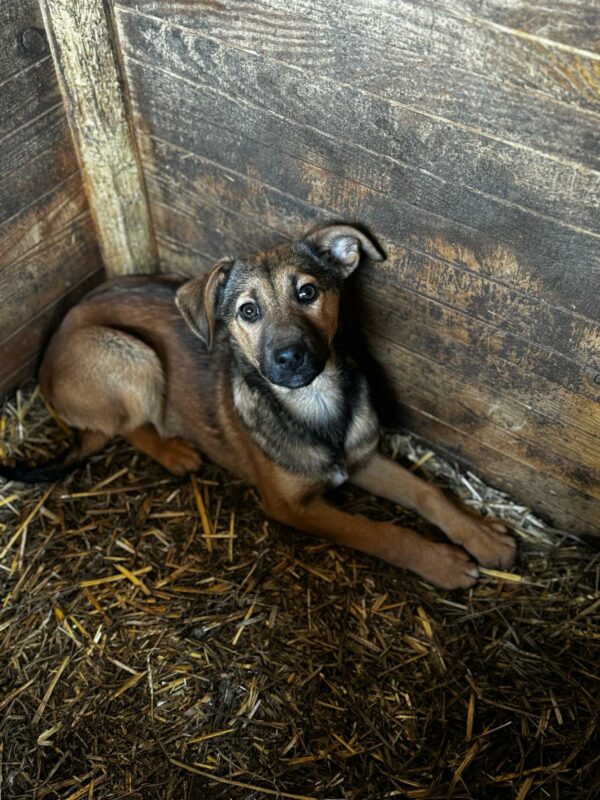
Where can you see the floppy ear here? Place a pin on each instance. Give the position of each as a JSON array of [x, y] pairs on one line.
[[198, 300], [343, 246]]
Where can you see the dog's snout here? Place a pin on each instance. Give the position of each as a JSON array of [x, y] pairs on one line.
[[294, 362], [291, 357]]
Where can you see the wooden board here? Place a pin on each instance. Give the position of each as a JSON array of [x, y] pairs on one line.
[[481, 179], [81, 39], [48, 250], [413, 59]]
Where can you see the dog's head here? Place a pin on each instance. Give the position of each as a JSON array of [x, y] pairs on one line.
[[280, 307]]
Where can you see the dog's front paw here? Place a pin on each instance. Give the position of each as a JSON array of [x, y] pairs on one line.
[[448, 567], [486, 540], [179, 456]]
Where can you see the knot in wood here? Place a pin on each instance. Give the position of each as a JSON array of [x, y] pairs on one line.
[[32, 42]]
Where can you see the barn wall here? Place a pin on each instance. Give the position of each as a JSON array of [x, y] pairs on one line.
[[466, 135], [48, 255]]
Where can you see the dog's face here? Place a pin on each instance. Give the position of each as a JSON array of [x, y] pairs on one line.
[[280, 307]]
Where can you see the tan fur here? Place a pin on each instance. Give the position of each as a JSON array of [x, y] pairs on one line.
[[125, 363]]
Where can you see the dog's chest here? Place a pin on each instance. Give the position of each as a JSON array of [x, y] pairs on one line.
[[320, 431]]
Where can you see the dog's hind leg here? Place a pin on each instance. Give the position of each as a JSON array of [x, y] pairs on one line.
[[106, 383], [174, 453], [103, 380]]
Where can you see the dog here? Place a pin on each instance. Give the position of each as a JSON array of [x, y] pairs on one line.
[[245, 365]]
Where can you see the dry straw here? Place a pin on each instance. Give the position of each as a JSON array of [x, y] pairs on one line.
[[160, 639]]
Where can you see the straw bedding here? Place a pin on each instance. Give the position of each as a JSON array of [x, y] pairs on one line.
[[160, 639]]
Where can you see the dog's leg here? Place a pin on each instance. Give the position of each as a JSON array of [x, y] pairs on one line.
[[177, 455], [486, 540], [442, 564], [122, 395]]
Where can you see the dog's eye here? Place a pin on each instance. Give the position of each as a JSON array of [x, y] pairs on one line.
[[307, 293], [250, 312]]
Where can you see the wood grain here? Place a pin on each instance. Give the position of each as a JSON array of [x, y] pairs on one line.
[[80, 38], [33, 160], [27, 95], [447, 33], [410, 76], [571, 22], [48, 250], [22, 350], [410, 141]]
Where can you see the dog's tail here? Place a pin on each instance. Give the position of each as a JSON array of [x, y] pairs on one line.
[[56, 468], [50, 471]]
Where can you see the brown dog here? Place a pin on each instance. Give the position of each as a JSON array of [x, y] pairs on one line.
[[255, 381]]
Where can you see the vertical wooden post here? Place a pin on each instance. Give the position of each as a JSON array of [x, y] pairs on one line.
[[80, 35]]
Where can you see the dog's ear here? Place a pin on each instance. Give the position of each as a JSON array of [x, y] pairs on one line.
[[198, 300], [343, 246]]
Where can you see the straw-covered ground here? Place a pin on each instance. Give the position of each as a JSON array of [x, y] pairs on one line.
[[160, 639]]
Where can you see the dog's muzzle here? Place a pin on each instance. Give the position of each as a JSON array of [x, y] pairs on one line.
[[293, 365]]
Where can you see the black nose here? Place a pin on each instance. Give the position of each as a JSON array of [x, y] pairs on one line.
[[290, 357]]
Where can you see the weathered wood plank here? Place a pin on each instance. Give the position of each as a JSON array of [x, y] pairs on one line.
[[23, 348], [48, 250], [177, 256], [479, 354], [174, 179], [17, 53], [420, 144], [40, 262], [36, 150], [27, 95], [445, 33], [217, 234], [480, 101], [473, 410], [522, 422], [536, 239], [27, 153], [80, 39], [571, 22]]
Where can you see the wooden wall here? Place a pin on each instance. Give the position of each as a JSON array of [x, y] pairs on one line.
[[48, 255], [466, 134]]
